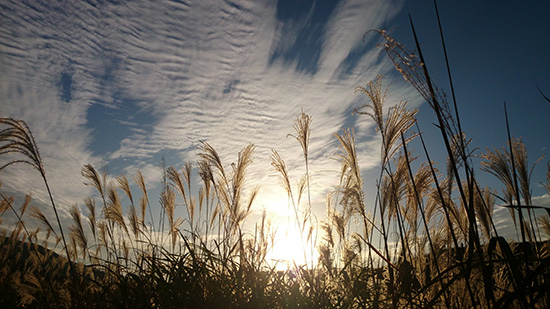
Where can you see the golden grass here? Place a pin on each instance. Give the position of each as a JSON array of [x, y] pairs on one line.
[[429, 240]]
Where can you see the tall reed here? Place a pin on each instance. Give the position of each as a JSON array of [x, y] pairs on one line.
[[429, 240]]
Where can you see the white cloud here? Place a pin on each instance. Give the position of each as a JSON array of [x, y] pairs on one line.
[[196, 71]]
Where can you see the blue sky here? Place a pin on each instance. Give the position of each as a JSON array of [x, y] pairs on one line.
[[498, 53], [123, 85]]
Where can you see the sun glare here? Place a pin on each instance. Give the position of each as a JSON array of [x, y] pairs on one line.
[[290, 247], [289, 250]]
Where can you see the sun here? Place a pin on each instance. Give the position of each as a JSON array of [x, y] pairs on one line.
[[290, 247]]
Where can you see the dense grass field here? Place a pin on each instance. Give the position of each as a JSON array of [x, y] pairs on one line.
[[448, 252]]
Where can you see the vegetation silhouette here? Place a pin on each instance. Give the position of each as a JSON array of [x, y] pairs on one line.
[[447, 252]]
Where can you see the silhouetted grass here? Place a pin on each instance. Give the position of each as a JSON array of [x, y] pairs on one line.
[[448, 252]]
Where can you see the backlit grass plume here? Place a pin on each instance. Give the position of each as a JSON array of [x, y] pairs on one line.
[[425, 238], [16, 139]]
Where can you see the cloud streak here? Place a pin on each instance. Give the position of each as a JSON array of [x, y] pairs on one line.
[[126, 84]]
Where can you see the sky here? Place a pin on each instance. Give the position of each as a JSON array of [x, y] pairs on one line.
[[122, 85]]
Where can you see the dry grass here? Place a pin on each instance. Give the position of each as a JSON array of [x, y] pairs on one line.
[[429, 240]]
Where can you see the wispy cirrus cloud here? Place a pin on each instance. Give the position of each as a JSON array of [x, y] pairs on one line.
[[124, 84]]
